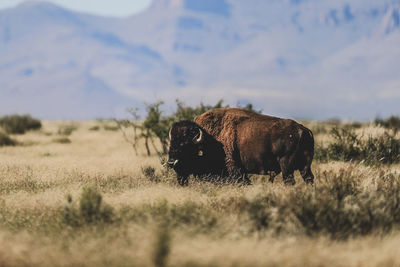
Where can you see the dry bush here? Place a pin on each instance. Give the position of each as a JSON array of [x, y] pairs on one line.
[[19, 124], [67, 129], [338, 206], [94, 128], [348, 146], [62, 140], [5, 140]]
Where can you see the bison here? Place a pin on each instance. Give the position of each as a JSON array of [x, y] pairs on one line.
[[232, 142]]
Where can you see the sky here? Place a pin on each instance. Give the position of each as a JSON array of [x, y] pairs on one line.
[[110, 8]]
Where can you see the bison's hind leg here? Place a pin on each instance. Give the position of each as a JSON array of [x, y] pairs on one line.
[[304, 166], [307, 174], [272, 175], [287, 168]]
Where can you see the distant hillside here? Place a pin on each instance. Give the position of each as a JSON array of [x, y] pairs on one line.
[[297, 58]]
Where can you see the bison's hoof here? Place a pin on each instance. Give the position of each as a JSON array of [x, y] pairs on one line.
[[309, 181], [290, 181], [183, 182], [245, 182]]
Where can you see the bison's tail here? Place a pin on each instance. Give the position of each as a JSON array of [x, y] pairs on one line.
[[306, 142], [305, 154]]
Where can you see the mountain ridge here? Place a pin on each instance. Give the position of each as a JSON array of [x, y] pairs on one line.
[[290, 58]]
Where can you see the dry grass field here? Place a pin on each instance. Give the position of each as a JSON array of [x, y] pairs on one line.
[[76, 194]]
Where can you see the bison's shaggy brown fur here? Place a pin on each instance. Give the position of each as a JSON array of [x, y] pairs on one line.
[[256, 143]]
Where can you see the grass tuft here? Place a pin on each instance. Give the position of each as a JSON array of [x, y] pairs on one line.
[[162, 245], [150, 173], [91, 210]]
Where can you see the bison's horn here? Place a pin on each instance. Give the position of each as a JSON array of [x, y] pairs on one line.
[[199, 137], [169, 134]]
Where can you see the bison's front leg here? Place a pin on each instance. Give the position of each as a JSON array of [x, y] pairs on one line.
[[244, 179], [183, 179], [272, 175], [233, 166], [237, 174]]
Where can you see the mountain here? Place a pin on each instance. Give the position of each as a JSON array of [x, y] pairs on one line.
[[296, 58]]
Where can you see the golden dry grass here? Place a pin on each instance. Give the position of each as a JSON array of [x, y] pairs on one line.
[[37, 176]]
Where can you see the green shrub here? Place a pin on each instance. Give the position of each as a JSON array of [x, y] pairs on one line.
[[91, 207], [19, 124], [150, 173], [62, 140], [347, 146], [94, 128], [67, 129], [323, 210], [111, 128], [156, 125], [340, 209], [383, 149], [393, 122], [259, 212], [184, 112], [91, 210], [337, 206], [5, 140]]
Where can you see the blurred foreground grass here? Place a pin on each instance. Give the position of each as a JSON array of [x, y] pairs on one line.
[[94, 202]]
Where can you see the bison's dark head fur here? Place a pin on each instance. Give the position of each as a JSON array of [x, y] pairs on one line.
[[194, 151]]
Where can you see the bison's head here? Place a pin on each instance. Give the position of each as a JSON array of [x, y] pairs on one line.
[[193, 151], [186, 145]]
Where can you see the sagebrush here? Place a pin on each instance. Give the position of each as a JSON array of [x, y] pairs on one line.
[[349, 146], [19, 124]]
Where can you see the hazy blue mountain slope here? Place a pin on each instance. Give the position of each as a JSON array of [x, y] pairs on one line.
[[53, 57], [298, 58]]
